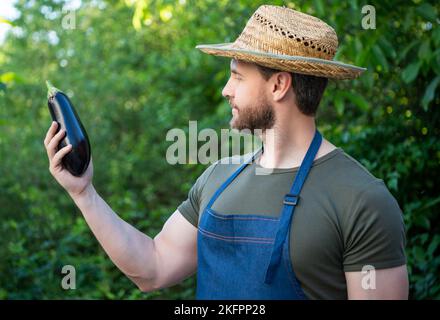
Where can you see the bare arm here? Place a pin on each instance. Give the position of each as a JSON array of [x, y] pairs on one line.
[[386, 284], [150, 263]]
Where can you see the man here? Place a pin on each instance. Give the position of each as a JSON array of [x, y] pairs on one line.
[[317, 225]]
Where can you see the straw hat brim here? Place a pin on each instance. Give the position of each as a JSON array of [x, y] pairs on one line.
[[298, 64]]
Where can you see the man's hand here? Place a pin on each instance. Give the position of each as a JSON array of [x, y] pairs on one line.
[[150, 264], [73, 185]]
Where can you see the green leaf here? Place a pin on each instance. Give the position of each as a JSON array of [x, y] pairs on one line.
[[430, 204], [138, 15], [407, 49], [368, 80], [429, 93], [433, 245], [166, 13], [319, 6], [339, 105], [393, 180], [380, 57], [427, 11], [411, 72], [419, 254], [387, 47], [436, 36], [424, 51], [436, 63], [422, 221], [358, 100], [10, 77], [361, 57], [3, 20]]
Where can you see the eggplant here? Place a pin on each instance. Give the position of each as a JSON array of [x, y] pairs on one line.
[[63, 112]]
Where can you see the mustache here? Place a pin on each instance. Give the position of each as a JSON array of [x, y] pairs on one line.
[[232, 104]]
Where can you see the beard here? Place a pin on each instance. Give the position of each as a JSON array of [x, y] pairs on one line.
[[260, 115]]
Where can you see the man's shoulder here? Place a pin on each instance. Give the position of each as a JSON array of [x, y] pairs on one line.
[[349, 179], [344, 171]]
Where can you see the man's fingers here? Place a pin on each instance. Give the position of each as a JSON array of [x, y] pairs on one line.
[[56, 160], [50, 133], [52, 146]]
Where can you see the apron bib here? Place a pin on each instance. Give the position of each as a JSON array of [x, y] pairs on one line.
[[248, 256]]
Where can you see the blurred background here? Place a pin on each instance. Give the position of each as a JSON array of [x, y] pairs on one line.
[[131, 71]]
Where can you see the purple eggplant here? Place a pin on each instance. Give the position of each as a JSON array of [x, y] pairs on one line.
[[63, 112]]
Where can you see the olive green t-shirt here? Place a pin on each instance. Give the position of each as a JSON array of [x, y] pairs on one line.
[[345, 218]]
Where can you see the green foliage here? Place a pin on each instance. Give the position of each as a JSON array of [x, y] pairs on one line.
[[132, 72]]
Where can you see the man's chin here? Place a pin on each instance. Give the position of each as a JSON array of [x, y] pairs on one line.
[[234, 125], [240, 128]]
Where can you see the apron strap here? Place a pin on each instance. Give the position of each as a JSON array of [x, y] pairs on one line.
[[290, 202], [232, 177]]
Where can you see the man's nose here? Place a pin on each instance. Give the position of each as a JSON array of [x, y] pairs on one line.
[[227, 90]]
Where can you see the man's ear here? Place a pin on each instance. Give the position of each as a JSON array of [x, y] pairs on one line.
[[280, 84]]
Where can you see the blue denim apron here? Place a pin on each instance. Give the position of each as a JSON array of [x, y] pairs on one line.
[[248, 256]]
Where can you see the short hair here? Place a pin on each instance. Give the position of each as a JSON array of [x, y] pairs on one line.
[[308, 89]]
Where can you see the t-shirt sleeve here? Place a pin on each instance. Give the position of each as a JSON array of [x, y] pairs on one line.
[[374, 233], [191, 206]]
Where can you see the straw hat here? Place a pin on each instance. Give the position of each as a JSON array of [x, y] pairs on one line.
[[284, 39]]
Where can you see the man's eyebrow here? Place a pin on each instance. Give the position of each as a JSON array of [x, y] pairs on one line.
[[233, 70]]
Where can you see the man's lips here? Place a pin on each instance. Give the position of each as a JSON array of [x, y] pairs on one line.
[[233, 107]]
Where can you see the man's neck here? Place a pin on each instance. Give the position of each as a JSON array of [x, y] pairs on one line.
[[286, 144]]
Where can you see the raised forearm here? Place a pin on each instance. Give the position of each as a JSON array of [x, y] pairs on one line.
[[131, 251]]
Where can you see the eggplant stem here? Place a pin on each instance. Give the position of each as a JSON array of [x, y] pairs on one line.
[[51, 90]]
